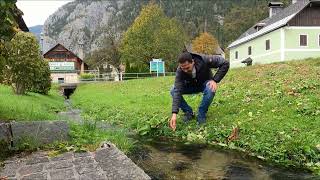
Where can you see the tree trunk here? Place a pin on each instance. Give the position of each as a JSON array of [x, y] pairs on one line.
[[19, 88]]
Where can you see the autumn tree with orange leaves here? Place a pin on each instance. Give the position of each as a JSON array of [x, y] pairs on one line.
[[205, 44]]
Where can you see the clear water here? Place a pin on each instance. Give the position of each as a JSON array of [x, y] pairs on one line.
[[164, 160]]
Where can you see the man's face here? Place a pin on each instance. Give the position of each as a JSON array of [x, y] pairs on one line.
[[187, 66]]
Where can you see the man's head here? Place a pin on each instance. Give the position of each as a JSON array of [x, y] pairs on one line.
[[186, 62]]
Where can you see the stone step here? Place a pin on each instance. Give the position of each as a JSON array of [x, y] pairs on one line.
[[107, 162], [40, 132]]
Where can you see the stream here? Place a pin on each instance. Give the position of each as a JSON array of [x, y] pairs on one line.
[[162, 159], [168, 160]]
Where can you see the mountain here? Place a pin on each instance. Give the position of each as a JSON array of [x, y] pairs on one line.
[[36, 30], [80, 25]]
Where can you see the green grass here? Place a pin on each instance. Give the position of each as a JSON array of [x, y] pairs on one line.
[[275, 106], [32, 106], [88, 137]]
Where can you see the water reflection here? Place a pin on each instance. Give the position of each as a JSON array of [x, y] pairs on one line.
[[163, 160]]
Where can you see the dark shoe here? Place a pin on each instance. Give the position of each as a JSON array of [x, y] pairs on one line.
[[188, 117], [201, 121]]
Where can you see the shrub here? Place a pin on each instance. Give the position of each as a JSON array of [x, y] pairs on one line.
[[87, 76], [25, 69], [42, 81], [2, 61]]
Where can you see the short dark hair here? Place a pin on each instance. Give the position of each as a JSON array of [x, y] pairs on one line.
[[185, 57]]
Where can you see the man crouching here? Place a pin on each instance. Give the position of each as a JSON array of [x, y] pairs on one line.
[[193, 76]]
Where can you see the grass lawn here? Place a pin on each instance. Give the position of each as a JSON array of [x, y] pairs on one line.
[[29, 107], [276, 108]]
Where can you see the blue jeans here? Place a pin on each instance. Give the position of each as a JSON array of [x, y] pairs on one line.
[[207, 98]]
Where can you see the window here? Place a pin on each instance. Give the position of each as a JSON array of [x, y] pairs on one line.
[[60, 80], [303, 40], [236, 55], [249, 50], [268, 44]]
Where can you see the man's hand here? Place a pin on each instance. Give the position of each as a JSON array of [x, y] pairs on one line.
[[212, 85], [173, 121]]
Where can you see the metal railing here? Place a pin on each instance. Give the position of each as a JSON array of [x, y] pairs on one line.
[[96, 77]]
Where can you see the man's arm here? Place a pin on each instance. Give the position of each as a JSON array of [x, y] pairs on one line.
[[177, 96], [177, 93], [215, 61]]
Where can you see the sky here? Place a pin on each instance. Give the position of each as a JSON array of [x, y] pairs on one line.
[[36, 11]]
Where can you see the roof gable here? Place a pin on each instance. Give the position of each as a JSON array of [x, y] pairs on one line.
[[272, 23], [60, 48]]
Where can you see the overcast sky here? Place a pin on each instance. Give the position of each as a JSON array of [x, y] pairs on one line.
[[37, 11]]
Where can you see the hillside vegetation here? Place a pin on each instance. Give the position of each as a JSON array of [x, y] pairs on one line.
[[276, 107]]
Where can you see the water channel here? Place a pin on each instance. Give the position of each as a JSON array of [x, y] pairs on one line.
[[168, 160], [164, 159]]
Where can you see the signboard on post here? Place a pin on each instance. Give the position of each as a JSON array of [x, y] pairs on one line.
[[61, 66], [157, 65]]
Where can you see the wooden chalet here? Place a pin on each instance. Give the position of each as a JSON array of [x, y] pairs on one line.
[[61, 54], [64, 65]]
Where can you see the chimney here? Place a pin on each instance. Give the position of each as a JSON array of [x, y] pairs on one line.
[[275, 7]]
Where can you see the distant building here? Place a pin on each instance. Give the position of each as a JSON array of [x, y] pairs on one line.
[[65, 66], [19, 19], [290, 33]]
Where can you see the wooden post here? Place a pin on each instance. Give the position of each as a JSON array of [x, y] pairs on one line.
[[82, 68]]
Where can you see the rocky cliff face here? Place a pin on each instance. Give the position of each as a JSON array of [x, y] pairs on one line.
[[80, 25]]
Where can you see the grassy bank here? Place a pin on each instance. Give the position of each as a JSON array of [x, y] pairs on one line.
[[275, 106], [32, 106]]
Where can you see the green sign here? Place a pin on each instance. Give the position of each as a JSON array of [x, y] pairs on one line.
[[157, 65], [61, 66]]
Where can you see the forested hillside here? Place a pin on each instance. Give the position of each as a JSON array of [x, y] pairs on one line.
[[225, 19]]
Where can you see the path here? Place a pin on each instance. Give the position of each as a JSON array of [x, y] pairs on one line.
[[106, 163]]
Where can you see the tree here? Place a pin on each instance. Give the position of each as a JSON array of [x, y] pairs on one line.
[[9, 27], [108, 54], [25, 69], [3, 57], [205, 44], [8, 12], [241, 19], [152, 35]]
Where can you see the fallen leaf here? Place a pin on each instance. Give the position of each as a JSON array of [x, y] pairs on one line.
[[234, 134]]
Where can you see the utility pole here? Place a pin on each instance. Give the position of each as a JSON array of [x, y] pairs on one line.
[[205, 24], [81, 56], [41, 43]]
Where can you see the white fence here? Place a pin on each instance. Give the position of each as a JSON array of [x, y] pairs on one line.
[[95, 76]]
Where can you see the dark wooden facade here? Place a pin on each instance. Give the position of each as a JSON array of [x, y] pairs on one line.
[[310, 16], [17, 14], [61, 54]]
